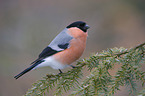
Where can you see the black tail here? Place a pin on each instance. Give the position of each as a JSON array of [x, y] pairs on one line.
[[27, 70]]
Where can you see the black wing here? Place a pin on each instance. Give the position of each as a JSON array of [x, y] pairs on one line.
[[48, 51], [63, 46]]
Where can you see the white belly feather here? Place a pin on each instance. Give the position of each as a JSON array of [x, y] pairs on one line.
[[51, 62]]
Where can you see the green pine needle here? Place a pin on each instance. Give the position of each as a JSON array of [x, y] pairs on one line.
[[99, 82]]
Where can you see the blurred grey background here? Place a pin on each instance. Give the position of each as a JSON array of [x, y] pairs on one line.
[[28, 26]]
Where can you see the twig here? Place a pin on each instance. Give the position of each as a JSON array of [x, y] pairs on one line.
[[138, 46]]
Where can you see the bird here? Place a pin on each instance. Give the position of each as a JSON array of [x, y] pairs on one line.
[[65, 48]]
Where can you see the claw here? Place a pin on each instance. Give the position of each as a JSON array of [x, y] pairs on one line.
[[60, 71], [73, 66]]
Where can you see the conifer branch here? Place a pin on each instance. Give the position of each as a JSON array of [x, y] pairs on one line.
[[99, 81]]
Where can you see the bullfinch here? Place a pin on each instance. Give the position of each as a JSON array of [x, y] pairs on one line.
[[64, 49]]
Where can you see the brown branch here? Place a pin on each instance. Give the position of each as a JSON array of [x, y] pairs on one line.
[[130, 85], [138, 46]]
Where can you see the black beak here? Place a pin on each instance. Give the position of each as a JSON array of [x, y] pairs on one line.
[[87, 26]]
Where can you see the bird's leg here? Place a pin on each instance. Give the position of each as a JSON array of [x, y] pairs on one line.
[[60, 71], [73, 66]]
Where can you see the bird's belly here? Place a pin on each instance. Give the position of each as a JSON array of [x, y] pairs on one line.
[[51, 62]]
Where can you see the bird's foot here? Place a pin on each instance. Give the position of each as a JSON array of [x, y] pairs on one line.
[[60, 71], [73, 66]]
